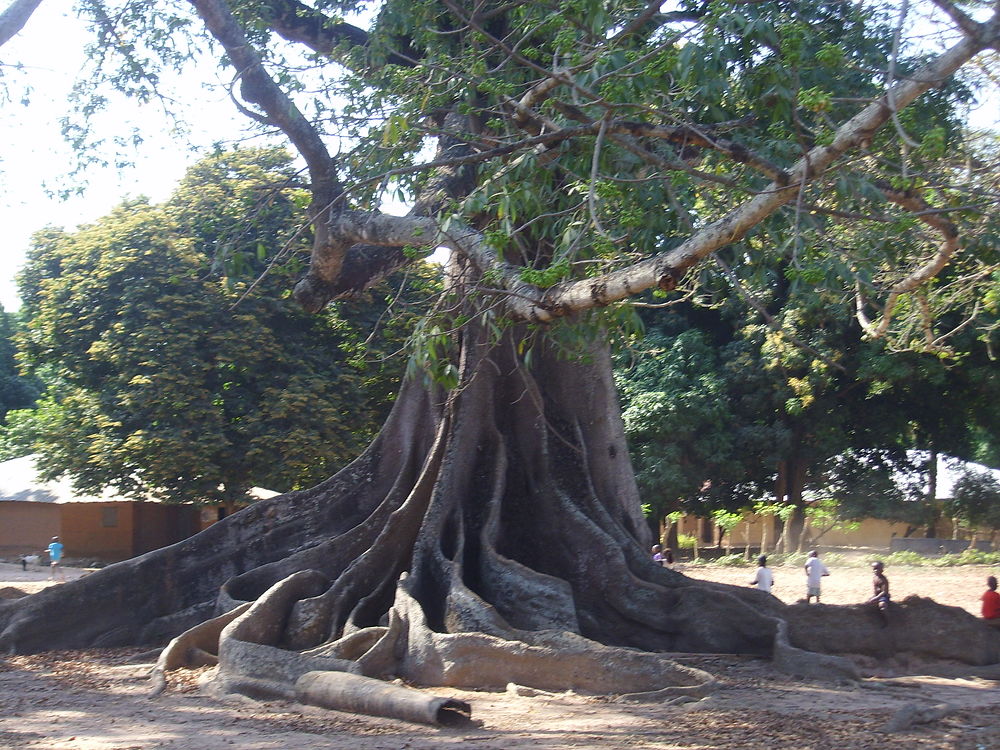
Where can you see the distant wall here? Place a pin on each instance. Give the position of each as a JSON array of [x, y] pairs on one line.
[[99, 530], [118, 530], [870, 532], [932, 547], [156, 525], [27, 527], [105, 531]]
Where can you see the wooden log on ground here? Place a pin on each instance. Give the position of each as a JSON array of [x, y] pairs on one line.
[[343, 691]]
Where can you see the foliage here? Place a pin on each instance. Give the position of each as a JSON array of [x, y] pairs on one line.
[[965, 557], [902, 558], [688, 442], [16, 390], [165, 377], [774, 560], [976, 499], [686, 541], [826, 514], [878, 484], [729, 561], [718, 407]]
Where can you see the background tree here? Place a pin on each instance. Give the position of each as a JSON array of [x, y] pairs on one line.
[[976, 502], [16, 390], [586, 153], [166, 378], [783, 397]]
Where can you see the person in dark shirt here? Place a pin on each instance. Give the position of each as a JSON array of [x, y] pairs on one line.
[[880, 586]]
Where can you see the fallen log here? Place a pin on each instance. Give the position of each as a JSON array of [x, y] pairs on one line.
[[344, 691]]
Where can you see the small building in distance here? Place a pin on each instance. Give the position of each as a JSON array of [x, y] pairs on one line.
[[106, 527], [945, 535]]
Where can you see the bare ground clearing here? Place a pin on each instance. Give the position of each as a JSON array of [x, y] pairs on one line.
[[96, 700]]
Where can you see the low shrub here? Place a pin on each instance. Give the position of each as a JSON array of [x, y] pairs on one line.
[[966, 557], [905, 557], [733, 561], [685, 541]]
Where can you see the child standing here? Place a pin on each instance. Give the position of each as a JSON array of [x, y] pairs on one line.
[[815, 570], [764, 578]]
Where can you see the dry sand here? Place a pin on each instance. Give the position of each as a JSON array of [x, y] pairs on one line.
[[96, 700]]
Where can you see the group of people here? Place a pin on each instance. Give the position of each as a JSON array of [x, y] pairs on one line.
[[815, 571]]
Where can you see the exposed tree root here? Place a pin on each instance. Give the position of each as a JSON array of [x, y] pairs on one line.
[[487, 537], [917, 626], [911, 714], [349, 692], [195, 647], [807, 664]]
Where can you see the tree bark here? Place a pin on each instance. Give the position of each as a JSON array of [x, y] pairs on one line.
[[489, 535], [505, 510], [15, 17]]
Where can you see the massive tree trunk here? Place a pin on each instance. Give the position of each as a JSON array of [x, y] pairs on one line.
[[505, 507], [490, 534]]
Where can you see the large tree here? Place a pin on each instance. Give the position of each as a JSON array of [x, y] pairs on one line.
[[17, 391], [167, 379], [729, 404], [586, 152]]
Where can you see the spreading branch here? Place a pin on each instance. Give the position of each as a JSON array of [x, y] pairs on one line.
[[947, 248], [663, 269], [13, 19], [258, 87]]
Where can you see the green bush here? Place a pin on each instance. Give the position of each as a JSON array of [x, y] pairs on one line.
[[967, 557], [732, 561], [905, 557], [685, 541]]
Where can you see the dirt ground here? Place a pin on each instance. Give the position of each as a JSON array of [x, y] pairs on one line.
[[96, 700]]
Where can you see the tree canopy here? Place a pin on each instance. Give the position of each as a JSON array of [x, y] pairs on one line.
[[166, 378], [648, 137], [724, 407], [16, 390]]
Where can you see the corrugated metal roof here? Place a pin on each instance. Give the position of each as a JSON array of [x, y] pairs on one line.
[[19, 481]]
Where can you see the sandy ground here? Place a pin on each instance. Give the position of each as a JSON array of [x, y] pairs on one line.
[[96, 700]]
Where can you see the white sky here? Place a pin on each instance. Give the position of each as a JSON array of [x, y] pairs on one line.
[[35, 161]]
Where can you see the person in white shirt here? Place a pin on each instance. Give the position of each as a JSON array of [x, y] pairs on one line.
[[815, 570], [764, 578]]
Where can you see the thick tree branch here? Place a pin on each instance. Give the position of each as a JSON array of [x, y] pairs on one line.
[[374, 228], [664, 269], [956, 14], [369, 258], [258, 87], [297, 22], [946, 249], [13, 19]]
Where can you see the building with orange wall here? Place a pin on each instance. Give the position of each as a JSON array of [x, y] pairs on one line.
[[104, 528]]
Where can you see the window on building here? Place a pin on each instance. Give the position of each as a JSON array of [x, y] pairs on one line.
[[109, 517]]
